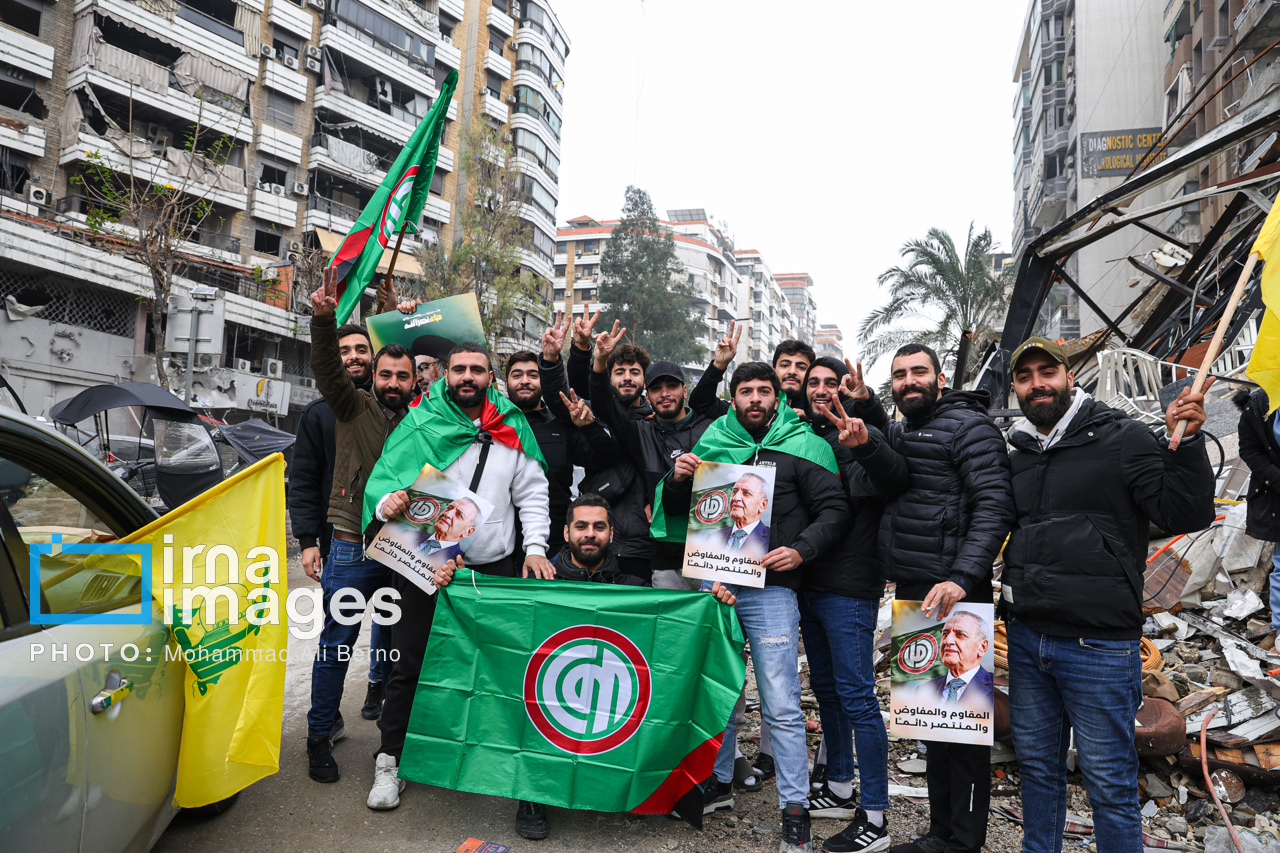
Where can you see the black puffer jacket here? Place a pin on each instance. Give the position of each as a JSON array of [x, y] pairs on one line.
[[652, 446], [871, 474], [311, 476], [607, 572], [1074, 563], [1258, 450], [951, 521]]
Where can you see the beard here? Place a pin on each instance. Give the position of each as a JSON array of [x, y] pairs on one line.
[[629, 396], [392, 398], [1045, 411], [924, 403], [360, 372], [587, 559], [755, 417], [526, 401], [467, 394]]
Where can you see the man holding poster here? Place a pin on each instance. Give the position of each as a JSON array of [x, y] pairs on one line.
[[729, 523], [808, 514], [942, 687]]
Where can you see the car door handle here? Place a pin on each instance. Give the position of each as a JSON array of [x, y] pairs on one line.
[[107, 698]]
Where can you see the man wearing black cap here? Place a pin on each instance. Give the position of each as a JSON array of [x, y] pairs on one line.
[[1087, 484], [653, 445]]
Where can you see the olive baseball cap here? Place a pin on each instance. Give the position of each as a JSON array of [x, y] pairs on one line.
[[1050, 348]]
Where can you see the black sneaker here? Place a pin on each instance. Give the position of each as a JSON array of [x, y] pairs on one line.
[[861, 836], [716, 795], [320, 757], [826, 803], [531, 821], [923, 844], [795, 830], [339, 730], [372, 708]]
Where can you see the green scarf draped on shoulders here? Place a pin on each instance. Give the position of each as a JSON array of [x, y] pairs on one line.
[[436, 431], [726, 440]]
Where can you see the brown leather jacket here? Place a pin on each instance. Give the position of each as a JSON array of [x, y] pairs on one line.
[[362, 429]]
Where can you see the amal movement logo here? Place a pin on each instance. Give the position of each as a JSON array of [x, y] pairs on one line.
[[422, 510], [393, 212], [712, 506], [918, 653], [587, 689]]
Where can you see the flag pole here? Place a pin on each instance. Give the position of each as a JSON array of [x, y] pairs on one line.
[[1211, 355], [391, 267]]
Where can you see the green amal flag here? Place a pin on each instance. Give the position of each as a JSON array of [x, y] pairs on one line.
[[396, 204], [582, 695], [435, 430], [916, 649], [726, 440]]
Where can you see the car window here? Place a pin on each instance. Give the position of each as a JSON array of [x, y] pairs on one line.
[[41, 509]]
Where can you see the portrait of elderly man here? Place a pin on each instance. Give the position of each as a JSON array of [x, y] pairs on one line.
[[966, 637], [749, 534], [456, 522]]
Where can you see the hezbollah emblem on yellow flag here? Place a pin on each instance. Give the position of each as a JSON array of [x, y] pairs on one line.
[[220, 581]]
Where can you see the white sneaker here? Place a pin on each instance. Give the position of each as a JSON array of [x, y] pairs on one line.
[[387, 784]]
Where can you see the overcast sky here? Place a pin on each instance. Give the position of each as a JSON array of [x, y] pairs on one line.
[[824, 133]]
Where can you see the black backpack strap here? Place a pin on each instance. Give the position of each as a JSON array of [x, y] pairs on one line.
[[485, 441]]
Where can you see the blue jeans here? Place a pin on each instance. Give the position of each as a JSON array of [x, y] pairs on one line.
[[770, 619], [347, 567], [1094, 686], [839, 637], [1275, 588]]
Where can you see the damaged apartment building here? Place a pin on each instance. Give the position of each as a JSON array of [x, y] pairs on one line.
[[281, 117]]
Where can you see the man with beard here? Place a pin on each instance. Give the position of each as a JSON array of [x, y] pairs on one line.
[[1088, 482], [809, 514], [465, 429], [619, 483], [791, 360], [938, 540], [363, 419], [567, 434], [652, 444], [839, 607], [310, 477]]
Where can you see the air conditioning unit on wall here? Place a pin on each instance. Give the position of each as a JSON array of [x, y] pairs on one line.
[[291, 62], [273, 368], [299, 188], [244, 365], [313, 52], [37, 195], [313, 65]]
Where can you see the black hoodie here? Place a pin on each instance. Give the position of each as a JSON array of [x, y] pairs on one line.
[[870, 474], [607, 572], [951, 521]]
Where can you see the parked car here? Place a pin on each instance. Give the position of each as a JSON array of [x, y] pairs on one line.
[[89, 731]]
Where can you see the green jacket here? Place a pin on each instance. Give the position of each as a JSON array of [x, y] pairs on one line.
[[362, 428]]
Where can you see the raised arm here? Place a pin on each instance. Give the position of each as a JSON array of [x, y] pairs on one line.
[[326, 362]]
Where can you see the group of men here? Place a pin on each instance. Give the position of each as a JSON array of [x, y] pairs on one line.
[[926, 502]]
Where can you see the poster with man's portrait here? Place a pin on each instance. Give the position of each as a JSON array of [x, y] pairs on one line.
[[942, 685], [729, 521], [441, 522]]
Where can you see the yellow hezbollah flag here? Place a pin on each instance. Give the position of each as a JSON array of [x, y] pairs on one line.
[[1264, 363], [234, 683]]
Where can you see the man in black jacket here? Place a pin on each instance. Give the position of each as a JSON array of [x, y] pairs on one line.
[[621, 485], [310, 478], [568, 439], [938, 541], [1260, 450], [791, 360], [809, 514], [1087, 484], [839, 606], [652, 445]]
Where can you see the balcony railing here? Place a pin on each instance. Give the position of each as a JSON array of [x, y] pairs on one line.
[[333, 208], [392, 50], [80, 205], [529, 65], [210, 23]]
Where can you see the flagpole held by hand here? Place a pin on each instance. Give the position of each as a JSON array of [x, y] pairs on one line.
[[1211, 355], [391, 267]]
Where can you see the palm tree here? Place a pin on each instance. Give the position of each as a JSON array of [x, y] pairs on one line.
[[937, 297]]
